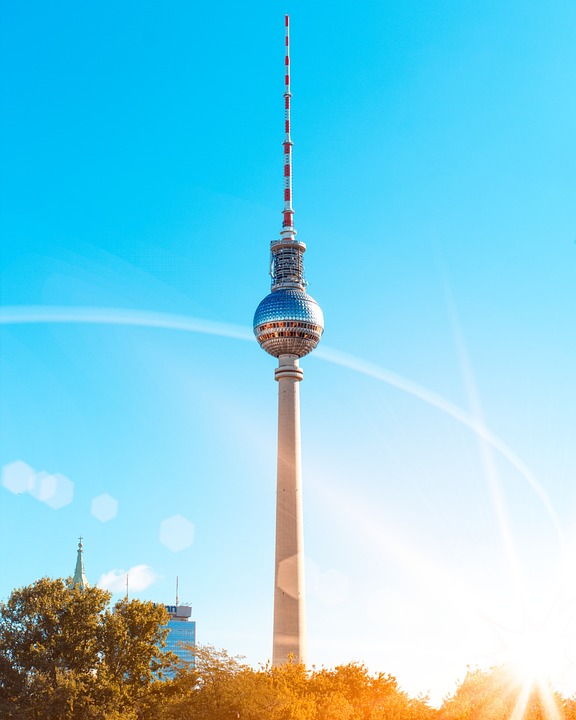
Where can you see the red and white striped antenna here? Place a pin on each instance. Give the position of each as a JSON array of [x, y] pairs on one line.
[[288, 230], [286, 266]]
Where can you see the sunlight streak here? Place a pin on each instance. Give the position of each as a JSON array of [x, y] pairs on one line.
[[537, 689], [486, 454], [32, 314], [37, 314], [551, 709], [378, 373], [521, 702]]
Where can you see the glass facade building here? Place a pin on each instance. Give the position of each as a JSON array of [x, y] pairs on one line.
[[182, 632]]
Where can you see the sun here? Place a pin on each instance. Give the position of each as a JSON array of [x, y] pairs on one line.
[[536, 658], [537, 655]]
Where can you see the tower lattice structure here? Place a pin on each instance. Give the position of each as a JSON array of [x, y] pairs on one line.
[[288, 324]]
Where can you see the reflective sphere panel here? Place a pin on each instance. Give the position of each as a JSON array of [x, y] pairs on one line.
[[288, 305], [288, 322]]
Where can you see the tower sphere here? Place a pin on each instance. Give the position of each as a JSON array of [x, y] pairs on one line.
[[288, 322]]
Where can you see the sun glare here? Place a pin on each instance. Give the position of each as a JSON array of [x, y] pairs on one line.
[[537, 655]]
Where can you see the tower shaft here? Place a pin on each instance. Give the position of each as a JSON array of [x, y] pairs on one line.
[[289, 635]]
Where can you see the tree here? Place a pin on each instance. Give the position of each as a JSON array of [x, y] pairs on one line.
[[217, 687], [65, 654], [131, 637], [350, 691], [499, 694], [221, 687]]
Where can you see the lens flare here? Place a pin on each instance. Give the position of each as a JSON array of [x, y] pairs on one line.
[[32, 314]]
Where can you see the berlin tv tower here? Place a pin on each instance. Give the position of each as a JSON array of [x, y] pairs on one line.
[[288, 324]]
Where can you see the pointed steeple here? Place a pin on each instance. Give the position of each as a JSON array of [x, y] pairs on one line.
[[79, 574]]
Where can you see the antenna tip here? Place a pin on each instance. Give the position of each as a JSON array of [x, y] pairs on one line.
[[287, 20]]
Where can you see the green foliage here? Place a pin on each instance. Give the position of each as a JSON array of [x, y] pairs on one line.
[[64, 654]]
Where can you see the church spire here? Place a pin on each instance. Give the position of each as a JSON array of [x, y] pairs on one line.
[[79, 578]]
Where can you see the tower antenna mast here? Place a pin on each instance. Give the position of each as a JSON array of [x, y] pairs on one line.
[[288, 230]]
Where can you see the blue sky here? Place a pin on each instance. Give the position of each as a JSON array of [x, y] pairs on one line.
[[434, 186]]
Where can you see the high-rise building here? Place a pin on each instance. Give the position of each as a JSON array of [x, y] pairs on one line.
[[79, 577], [182, 632], [288, 324]]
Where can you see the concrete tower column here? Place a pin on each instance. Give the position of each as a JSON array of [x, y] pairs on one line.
[[289, 637]]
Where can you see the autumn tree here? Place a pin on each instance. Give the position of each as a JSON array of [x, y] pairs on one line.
[[500, 693], [217, 687], [65, 654], [221, 687], [350, 691]]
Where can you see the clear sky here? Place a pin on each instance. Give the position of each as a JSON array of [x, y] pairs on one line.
[[435, 188]]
